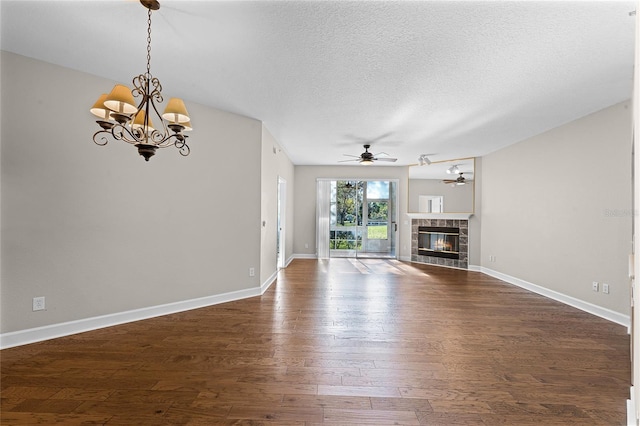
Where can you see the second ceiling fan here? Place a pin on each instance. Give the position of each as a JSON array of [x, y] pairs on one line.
[[460, 180]]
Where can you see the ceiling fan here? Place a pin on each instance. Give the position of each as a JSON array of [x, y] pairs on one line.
[[367, 157], [460, 180]]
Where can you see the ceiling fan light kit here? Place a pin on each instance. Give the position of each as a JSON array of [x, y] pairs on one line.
[[121, 118]]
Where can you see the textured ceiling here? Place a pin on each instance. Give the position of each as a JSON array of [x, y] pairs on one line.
[[449, 78]]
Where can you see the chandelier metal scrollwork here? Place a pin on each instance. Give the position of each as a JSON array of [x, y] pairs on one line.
[[121, 118]]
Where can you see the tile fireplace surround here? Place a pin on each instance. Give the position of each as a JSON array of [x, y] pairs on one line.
[[462, 262]]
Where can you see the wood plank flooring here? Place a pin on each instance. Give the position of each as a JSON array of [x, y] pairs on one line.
[[338, 342]]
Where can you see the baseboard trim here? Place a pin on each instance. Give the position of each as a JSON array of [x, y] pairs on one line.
[[38, 334], [289, 260], [631, 409], [265, 285], [53, 331], [304, 256], [599, 311]]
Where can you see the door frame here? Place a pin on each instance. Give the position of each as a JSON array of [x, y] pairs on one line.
[[281, 241]]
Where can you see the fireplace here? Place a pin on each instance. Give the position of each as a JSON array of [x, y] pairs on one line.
[[439, 242], [442, 242]]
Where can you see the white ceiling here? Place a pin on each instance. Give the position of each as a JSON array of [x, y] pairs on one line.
[[446, 78]]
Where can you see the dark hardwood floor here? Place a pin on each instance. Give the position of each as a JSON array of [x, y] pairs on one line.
[[342, 342]]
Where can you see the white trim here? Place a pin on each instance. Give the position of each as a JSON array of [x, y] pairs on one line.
[[304, 256], [631, 409], [458, 216], [265, 285], [601, 312], [38, 334], [281, 230], [289, 260], [475, 268], [404, 258]]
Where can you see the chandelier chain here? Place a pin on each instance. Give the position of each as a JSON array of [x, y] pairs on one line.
[[149, 43]]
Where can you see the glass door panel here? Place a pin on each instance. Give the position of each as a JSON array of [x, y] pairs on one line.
[[346, 217]]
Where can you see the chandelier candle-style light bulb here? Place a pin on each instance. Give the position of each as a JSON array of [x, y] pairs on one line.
[[124, 119]]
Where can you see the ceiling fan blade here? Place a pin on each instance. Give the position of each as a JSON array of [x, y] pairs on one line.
[[349, 155], [385, 159], [348, 161]]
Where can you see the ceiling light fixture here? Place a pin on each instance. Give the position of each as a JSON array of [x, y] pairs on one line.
[[121, 119], [423, 160], [453, 170]]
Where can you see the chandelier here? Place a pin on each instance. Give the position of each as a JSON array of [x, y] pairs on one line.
[[122, 119]]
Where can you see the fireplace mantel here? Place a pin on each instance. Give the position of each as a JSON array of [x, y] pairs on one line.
[[458, 216]]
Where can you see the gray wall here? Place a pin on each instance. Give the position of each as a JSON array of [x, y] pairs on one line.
[[556, 208], [97, 230]]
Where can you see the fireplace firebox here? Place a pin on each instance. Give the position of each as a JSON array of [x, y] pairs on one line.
[[439, 242]]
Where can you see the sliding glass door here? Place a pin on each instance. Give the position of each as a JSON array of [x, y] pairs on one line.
[[361, 218], [345, 234]]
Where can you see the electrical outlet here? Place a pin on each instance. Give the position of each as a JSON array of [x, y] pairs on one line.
[[605, 288], [595, 286], [252, 272], [306, 245], [38, 303]]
